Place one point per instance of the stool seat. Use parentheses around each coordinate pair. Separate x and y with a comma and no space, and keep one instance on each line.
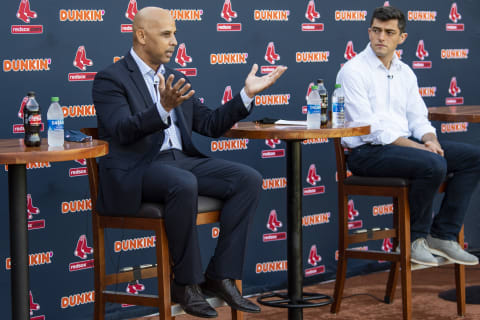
(156,210)
(377,181)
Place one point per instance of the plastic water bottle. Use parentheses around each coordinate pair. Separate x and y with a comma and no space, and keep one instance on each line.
(324,97)
(338,107)
(314,105)
(55,124)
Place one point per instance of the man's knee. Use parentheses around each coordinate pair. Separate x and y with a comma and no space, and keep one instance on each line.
(186,186)
(438,168)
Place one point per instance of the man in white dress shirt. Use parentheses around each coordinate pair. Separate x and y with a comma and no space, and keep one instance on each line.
(382,91)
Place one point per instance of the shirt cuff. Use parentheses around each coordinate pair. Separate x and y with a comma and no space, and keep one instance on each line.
(246,99)
(163,113)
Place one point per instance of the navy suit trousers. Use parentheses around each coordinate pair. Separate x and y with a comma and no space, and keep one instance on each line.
(176,180)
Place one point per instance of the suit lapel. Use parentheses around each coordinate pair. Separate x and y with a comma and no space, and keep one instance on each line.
(138,79)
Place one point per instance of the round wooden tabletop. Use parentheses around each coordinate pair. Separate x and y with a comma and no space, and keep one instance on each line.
(14,151)
(253,130)
(455,113)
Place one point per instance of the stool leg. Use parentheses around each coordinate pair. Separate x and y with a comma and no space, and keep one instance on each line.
(460,279)
(237,315)
(394,268)
(342,258)
(99,265)
(404,239)
(163,273)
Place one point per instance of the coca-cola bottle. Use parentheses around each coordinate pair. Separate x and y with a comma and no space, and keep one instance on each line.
(32,121)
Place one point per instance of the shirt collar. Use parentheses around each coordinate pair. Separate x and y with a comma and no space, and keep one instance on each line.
(145,70)
(376,62)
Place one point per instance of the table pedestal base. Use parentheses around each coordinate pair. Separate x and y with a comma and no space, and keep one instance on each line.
(285,302)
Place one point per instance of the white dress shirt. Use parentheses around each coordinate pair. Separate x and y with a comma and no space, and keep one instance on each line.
(386,99)
(173,138)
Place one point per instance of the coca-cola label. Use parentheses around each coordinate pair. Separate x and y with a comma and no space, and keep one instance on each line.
(34,120)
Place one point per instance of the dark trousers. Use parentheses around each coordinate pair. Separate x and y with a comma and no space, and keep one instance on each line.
(426,171)
(176,180)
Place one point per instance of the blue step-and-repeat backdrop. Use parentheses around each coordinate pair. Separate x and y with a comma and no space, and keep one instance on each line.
(55,48)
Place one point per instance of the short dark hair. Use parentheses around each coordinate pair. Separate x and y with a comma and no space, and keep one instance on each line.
(389,13)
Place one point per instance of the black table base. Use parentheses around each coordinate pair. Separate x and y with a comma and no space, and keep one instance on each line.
(283,301)
(472,295)
(17,194)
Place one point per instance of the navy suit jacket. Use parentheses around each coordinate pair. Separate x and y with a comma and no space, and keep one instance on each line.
(129,121)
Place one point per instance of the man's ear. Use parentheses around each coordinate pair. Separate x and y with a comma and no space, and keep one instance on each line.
(140,35)
(403,37)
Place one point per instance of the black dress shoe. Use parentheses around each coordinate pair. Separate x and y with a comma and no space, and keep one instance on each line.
(228,291)
(192,301)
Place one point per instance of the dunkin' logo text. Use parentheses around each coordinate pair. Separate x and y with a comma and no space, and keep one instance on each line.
(422,16)
(274,183)
(134,244)
(454,53)
(454,127)
(78,111)
(316,219)
(187,14)
(37,64)
(76,206)
(350,15)
(272,99)
(77,299)
(271,15)
(312,56)
(229,145)
(382,210)
(273,266)
(74,15)
(427,91)
(229,58)
(35,259)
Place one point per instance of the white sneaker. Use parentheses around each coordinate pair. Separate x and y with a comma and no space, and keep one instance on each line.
(451,250)
(421,254)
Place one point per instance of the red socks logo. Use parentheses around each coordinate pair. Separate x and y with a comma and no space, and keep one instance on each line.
(131,10)
(24,13)
(135,287)
(313,257)
(81,60)
(421,52)
(387,245)
(454,15)
(182,58)
(33,306)
(227,95)
(313,177)
(272,143)
(311,13)
(386,4)
(82,249)
(270,55)
(349,52)
(454,89)
(352,212)
(227,12)
(273,222)
(31,210)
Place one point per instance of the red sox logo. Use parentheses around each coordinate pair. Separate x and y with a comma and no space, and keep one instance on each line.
(33,306)
(131,10)
(312,176)
(311,13)
(273,222)
(227,94)
(270,56)
(227,12)
(81,61)
(82,249)
(24,13)
(182,58)
(135,287)
(313,256)
(454,89)
(349,51)
(421,52)
(272,143)
(454,15)
(352,212)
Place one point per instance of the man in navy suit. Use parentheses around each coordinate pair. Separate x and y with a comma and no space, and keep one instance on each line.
(147,113)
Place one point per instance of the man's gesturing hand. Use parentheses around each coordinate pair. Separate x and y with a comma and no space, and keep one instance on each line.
(254,84)
(173,96)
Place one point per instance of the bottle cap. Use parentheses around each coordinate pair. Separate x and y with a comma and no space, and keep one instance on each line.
(314,87)
(55,99)
(31,94)
(338,85)
(319,81)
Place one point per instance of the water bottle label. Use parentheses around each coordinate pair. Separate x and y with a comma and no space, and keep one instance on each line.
(338,107)
(314,108)
(54,125)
